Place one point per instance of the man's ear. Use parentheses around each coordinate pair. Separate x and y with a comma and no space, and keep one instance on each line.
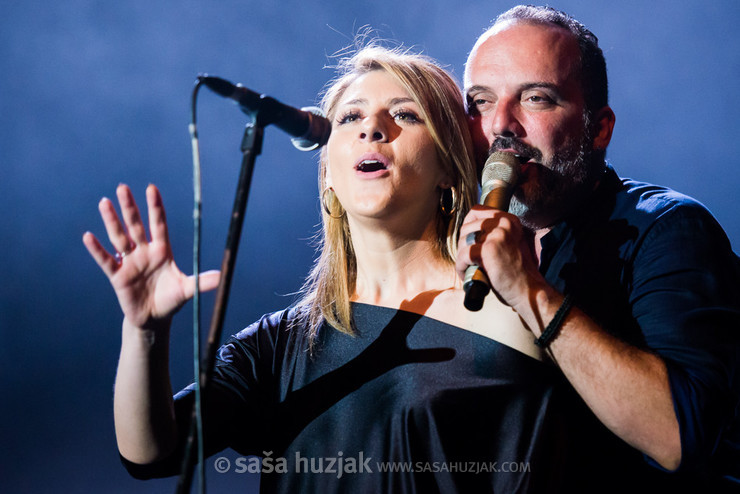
(604,123)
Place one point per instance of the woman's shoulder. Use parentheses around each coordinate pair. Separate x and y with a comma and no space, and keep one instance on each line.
(495,320)
(270,329)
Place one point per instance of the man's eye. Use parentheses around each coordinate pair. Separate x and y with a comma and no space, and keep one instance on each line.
(539,99)
(476,106)
(479,102)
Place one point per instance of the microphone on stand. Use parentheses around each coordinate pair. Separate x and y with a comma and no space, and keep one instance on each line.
(308,126)
(498,181)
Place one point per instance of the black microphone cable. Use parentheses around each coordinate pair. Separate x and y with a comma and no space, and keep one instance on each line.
(197,415)
(309,130)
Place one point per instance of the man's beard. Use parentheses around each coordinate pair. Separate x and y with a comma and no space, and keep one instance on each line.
(561,181)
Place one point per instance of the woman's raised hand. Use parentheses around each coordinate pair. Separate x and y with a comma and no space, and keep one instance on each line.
(149,285)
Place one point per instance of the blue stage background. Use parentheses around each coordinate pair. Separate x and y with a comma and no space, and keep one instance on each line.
(97,93)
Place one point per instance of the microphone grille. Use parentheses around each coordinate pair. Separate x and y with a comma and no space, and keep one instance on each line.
(318,131)
(503,166)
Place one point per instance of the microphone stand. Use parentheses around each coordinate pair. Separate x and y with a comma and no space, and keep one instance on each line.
(251,147)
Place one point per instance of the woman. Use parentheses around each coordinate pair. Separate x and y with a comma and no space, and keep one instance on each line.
(379,365)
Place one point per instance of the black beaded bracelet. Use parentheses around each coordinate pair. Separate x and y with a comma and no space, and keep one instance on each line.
(552,329)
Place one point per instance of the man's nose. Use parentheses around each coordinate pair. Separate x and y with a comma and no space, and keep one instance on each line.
(505,121)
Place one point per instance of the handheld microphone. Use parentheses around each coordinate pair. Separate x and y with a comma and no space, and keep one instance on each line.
(498,181)
(308,126)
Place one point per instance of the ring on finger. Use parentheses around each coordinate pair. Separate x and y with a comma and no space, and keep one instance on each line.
(121,254)
(472,238)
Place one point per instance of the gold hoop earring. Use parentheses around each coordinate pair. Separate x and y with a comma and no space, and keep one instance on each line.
(448,202)
(327,210)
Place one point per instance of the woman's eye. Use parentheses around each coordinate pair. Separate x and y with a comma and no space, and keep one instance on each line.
(348,117)
(406,116)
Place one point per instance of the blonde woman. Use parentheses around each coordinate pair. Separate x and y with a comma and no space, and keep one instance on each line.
(377,380)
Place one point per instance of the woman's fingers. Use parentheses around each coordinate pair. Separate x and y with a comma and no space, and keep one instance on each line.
(106,262)
(117,235)
(125,235)
(131,215)
(157,217)
(208,281)
(149,286)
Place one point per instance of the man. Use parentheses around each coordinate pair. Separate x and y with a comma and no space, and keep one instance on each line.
(651,342)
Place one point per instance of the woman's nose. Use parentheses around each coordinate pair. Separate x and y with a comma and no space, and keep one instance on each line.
(373,129)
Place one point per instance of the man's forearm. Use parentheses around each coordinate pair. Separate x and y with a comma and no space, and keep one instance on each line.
(627,388)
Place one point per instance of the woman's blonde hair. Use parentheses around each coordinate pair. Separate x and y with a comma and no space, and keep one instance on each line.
(331,283)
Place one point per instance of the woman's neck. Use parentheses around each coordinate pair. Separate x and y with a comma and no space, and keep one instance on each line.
(395,267)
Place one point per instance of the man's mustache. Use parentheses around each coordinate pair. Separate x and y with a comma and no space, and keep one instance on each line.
(502,143)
